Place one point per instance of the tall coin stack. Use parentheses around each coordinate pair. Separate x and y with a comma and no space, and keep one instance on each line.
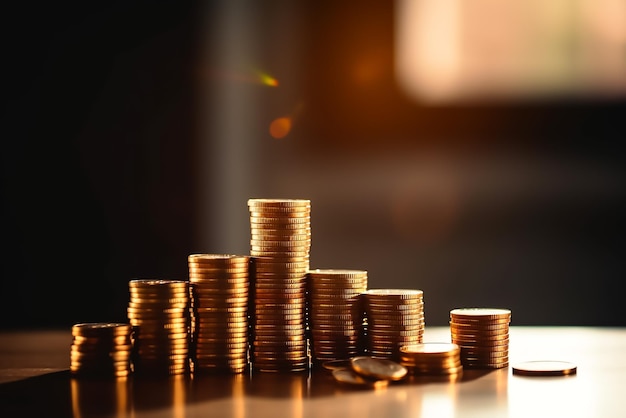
(101,349)
(159,313)
(395,318)
(335,315)
(280,244)
(483,336)
(220,295)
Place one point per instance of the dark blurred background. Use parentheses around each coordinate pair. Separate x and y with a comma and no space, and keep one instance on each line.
(133,134)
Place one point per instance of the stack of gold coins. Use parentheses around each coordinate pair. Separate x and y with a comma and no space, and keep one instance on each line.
(159,313)
(280,244)
(335,316)
(483,336)
(220,295)
(395,318)
(101,349)
(432,358)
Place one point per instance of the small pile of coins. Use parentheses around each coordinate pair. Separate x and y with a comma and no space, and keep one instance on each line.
(432,359)
(159,313)
(220,289)
(483,336)
(395,318)
(335,314)
(280,244)
(101,349)
(367,371)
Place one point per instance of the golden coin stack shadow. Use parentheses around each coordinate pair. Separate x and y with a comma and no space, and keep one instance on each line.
(483,336)
(159,314)
(335,314)
(279,246)
(101,349)
(220,296)
(395,318)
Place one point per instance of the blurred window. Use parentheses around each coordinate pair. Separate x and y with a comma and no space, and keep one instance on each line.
(454,50)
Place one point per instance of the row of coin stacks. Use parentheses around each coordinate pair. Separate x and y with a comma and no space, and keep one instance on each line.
(268,311)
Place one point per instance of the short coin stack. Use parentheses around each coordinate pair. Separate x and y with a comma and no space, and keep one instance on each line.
(220,295)
(395,318)
(280,244)
(101,349)
(159,313)
(432,359)
(483,336)
(335,314)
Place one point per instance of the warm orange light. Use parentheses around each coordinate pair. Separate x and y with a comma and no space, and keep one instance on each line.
(280,127)
(267,80)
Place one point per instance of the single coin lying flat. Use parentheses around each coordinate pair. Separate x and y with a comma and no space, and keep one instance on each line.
(544,368)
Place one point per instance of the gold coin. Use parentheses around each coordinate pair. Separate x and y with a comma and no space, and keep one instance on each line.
(389,294)
(477,330)
(431,349)
(337,274)
(272,264)
(102,348)
(278,202)
(136,302)
(287,257)
(137,318)
(284,241)
(282,215)
(545,368)
(280,229)
(265,235)
(378,368)
(157,283)
(100,329)
(110,339)
(211,268)
(221,259)
(220,310)
(293,280)
(279,206)
(480,313)
(206,302)
(226,277)
(166,331)
(279,219)
(158,296)
(350,377)
(240,291)
(293,251)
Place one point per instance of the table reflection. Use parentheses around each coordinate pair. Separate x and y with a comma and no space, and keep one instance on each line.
(419,395)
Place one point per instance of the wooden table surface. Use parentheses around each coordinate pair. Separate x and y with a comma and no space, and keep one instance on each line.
(34,381)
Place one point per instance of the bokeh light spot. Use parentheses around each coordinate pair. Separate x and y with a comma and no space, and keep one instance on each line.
(267,80)
(280,127)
